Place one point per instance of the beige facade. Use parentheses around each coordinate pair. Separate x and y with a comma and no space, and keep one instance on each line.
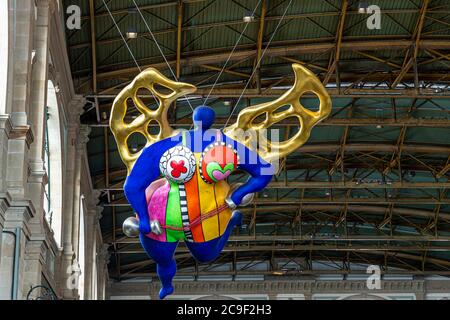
(36,250)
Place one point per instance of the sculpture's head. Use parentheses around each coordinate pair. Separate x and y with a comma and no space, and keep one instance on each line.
(203,117)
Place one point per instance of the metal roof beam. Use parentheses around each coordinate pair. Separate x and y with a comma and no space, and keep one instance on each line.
(299,247)
(329,200)
(179,37)
(337,50)
(228,23)
(415,50)
(282,51)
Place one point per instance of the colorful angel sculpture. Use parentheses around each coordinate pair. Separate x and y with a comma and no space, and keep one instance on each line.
(177,184)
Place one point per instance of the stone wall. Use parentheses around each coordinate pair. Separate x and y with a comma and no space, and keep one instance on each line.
(37,56)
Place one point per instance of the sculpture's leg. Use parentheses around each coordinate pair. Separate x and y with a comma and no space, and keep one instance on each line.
(207,251)
(162,253)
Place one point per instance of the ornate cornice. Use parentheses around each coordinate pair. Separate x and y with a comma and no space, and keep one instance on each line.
(53,5)
(98,213)
(83,137)
(5,200)
(438,286)
(75,109)
(22,133)
(18,214)
(36,249)
(104,255)
(5,124)
(22,208)
(310,286)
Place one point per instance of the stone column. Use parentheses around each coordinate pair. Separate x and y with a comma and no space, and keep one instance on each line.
(39,77)
(14,268)
(38,100)
(67,268)
(93,215)
(5,129)
(3,207)
(5,252)
(24,20)
(15,139)
(35,250)
(83,138)
(34,260)
(7,265)
(103,260)
(20,135)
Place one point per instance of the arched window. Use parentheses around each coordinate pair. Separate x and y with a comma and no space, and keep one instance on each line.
(53,164)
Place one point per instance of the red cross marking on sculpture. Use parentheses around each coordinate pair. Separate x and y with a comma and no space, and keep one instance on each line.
(178,168)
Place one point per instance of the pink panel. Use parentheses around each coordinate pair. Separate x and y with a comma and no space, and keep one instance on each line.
(153,187)
(157,209)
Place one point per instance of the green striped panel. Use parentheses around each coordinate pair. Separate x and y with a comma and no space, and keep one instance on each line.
(173,214)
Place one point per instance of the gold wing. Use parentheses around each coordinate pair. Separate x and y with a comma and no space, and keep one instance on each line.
(305,81)
(122,130)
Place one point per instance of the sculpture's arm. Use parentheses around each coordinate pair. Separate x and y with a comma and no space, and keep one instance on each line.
(260,171)
(144,172)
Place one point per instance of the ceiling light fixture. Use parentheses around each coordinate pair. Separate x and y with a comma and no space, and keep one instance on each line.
(132,33)
(132,22)
(362,6)
(248,16)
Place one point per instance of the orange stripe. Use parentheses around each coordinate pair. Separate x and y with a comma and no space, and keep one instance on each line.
(193,199)
(207,203)
(221,189)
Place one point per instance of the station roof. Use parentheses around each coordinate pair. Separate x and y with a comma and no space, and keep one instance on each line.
(371,184)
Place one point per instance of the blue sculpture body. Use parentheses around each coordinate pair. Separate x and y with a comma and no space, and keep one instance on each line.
(191,202)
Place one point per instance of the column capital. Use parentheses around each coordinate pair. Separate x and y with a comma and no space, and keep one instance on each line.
(92,199)
(53,5)
(92,208)
(43,3)
(83,137)
(75,109)
(104,255)
(97,213)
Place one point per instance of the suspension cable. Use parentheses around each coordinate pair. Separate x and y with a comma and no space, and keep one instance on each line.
(126,43)
(259,61)
(231,54)
(159,48)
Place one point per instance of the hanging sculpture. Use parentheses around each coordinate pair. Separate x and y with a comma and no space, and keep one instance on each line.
(177,184)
